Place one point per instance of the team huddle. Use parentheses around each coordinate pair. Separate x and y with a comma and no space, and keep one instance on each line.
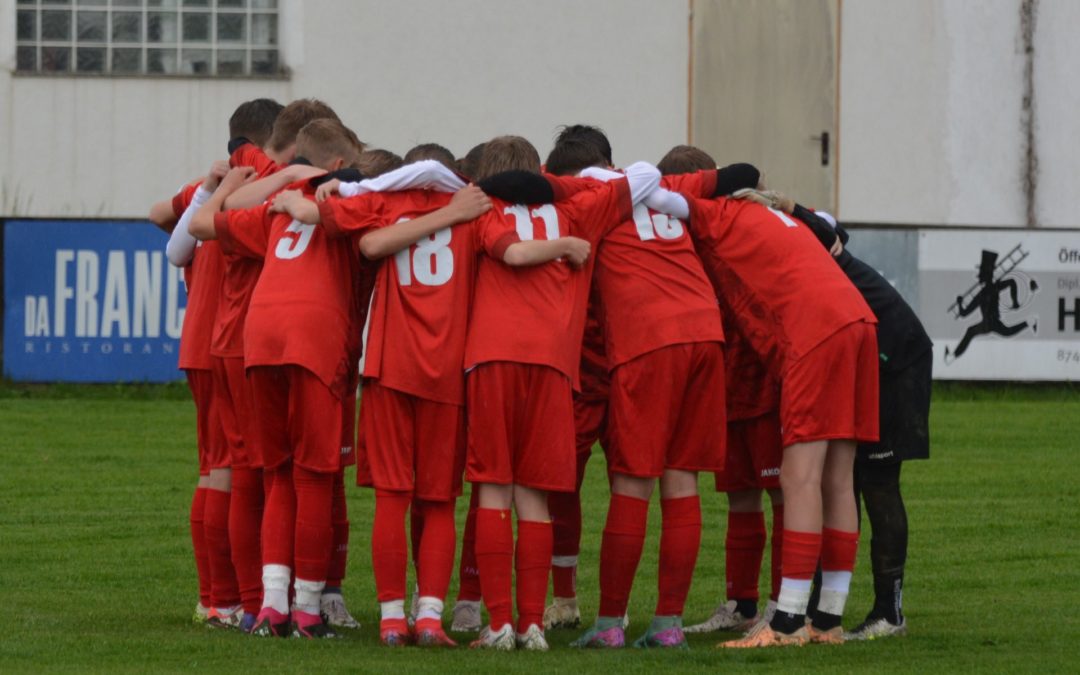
(516,314)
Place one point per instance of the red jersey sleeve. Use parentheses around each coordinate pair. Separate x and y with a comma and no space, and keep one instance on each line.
(566,187)
(594,212)
(495,233)
(701,184)
(244,232)
(354,216)
(252,155)
(183,198)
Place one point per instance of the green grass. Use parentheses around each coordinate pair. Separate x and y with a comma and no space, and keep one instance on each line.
(96,570)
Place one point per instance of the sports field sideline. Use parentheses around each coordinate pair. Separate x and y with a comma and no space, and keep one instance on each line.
(96,569)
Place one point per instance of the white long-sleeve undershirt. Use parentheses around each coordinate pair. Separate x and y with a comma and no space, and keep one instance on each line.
(427,174)
(181,246)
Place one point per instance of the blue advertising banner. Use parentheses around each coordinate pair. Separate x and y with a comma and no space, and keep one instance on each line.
(90,301)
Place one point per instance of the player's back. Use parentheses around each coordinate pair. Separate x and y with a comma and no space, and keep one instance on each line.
(781,287)
(537,314)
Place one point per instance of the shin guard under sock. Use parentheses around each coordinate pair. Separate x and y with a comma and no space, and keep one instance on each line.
(435,559)
(245,522)
(389,545)
(620,552)
(745,548)
(224,591)
(314,533)
(531,563)
(468,572)
(494,558)
(565,509)
(680,540)
(339,546)
(800,558)
(198,544)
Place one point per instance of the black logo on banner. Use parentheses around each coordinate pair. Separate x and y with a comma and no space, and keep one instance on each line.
(996,278)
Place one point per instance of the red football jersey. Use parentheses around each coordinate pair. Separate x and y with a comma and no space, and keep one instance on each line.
(537,314)
(783,290)
(202,276)
(303,309)
(420,308)
(653,289)
(241,272)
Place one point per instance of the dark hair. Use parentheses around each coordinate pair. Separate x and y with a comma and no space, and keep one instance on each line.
(588,134)
(254,120)
(685,159)
(321,141)
(468,164)
(431,151)
(376,162)
(293,118)
(507,153)
(572,155)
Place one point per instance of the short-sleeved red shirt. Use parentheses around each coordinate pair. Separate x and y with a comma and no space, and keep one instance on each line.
(241,272)
(782,289)
(420,307)
(303,309)
(537,314)
(654,292)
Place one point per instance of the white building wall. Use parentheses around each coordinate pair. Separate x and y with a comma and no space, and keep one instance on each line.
(1057,113)
(930,112)
(397,72)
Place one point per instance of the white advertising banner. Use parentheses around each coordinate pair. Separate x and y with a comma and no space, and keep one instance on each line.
(1001,304)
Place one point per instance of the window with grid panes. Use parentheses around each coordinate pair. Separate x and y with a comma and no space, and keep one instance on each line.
(148,37)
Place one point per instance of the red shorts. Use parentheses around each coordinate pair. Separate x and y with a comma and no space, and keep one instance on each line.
(348,428)
(590,424)
(521,426)
(832,391)
(410,444)
(213,447)
(297,416)
(754,453)
(668,411)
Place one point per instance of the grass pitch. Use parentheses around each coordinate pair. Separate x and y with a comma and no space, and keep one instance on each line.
(97,574)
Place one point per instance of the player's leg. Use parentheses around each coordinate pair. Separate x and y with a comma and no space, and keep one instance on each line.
(315,414)
(466,612)
(840,540)
(199,383)
(776,554)
(532,563)
(878,484)
(225,610)
(270,398)
(332,604)
(620,554)
(440,462)
(494,561)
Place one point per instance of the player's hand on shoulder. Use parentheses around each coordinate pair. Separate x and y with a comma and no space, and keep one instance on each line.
(330,187)
(236,177)
(285,202)
(470,202)
(577,251)
(218,170)
(837,248)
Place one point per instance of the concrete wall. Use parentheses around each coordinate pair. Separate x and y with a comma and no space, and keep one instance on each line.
(398,72)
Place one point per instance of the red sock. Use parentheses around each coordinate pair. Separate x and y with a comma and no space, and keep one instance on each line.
(532,563)
(245,521)
(198,544)
(389,548)
(838,549)
(224,591)
(777,556)
(620,551)
(436,556)
(279,516)
(468,572)
(745,546)
(339,545)
(801,553)
(565,508)
(494,559)
(680,539)
(314,533)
